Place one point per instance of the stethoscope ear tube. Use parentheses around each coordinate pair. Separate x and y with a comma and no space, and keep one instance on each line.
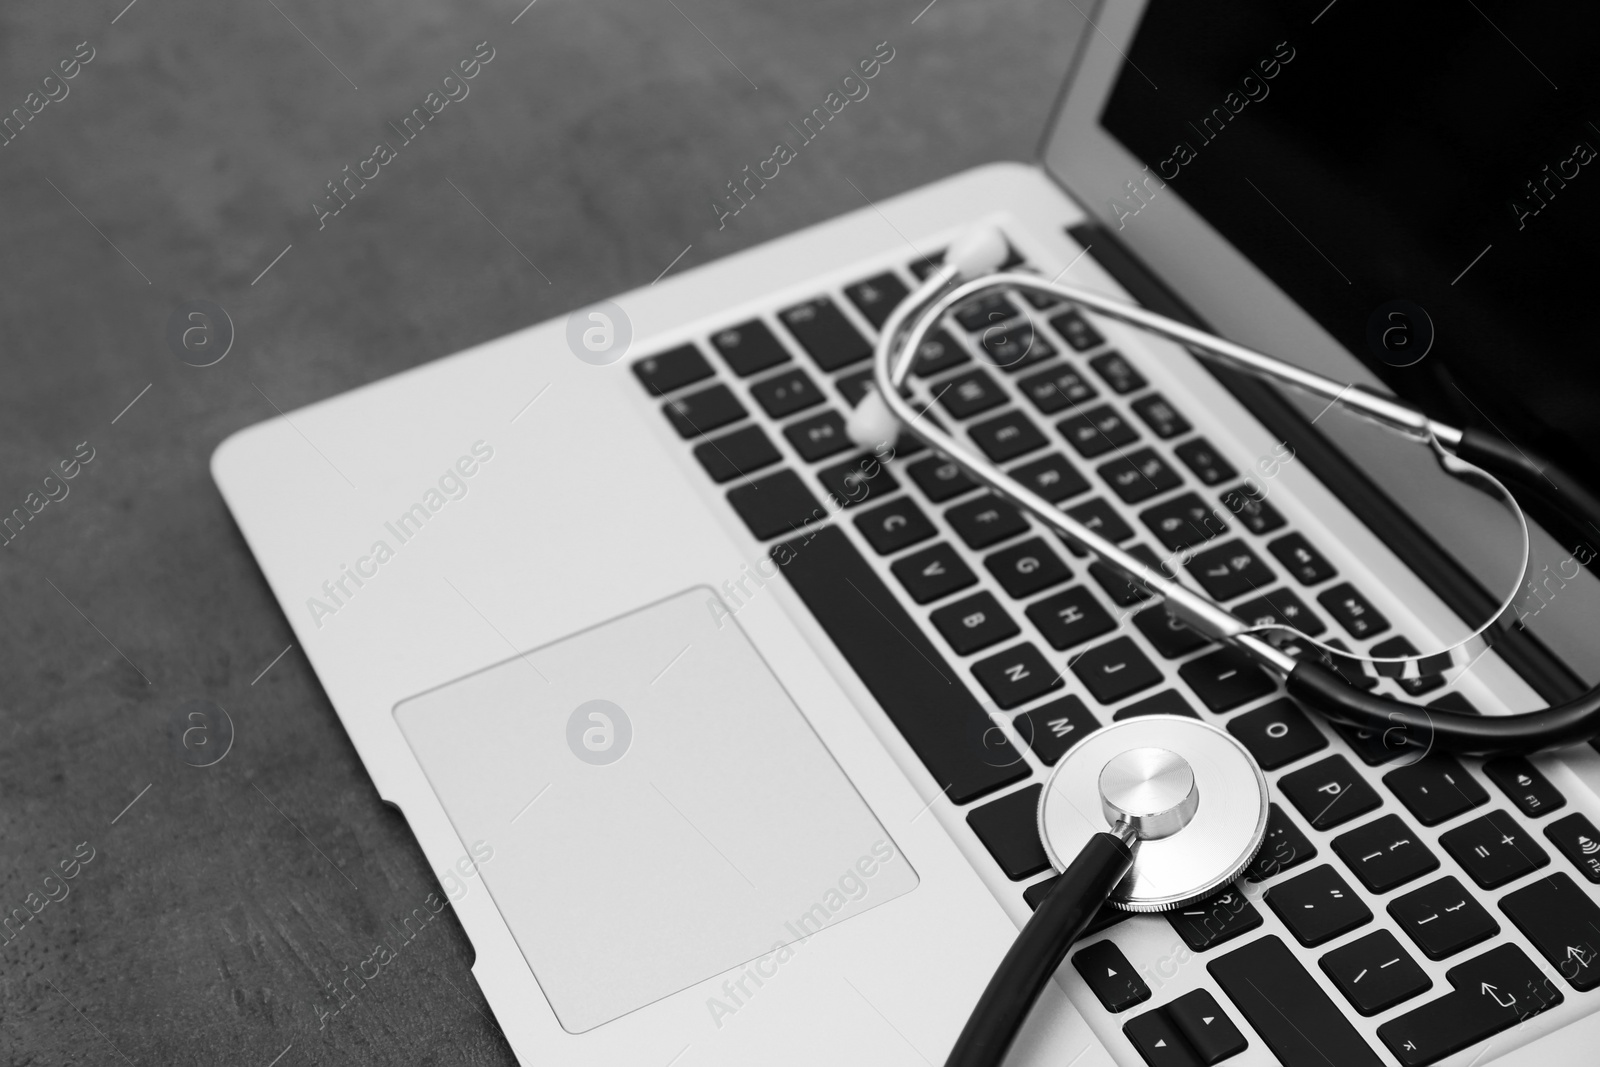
(1066,909)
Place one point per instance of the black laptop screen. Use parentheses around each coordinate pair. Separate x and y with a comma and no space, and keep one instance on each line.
(1375,158)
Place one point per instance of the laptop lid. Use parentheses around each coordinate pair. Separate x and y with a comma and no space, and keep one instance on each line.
(1390,194)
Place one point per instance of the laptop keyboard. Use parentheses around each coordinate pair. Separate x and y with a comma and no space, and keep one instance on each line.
(959,614)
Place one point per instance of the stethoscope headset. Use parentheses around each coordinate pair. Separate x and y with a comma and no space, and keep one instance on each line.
(1155,813)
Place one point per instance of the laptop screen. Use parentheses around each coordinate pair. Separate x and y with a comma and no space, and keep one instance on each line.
(1422,180)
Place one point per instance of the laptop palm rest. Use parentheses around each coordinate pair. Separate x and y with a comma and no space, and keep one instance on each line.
(658,808)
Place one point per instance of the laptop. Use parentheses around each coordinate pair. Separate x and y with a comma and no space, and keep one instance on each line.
(726,742)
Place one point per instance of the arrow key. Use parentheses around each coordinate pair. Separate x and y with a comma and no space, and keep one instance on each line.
(1158,1042)
(1211,1033)
(1111,976)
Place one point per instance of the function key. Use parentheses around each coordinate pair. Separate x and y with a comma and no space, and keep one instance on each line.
(1052,477)
(938,352)
(1563,923)
(927,265)
(1114,670)
(1398,646)
(1053,728)
(1226,678)
(1117,372)
(855,387)
(1015,677)
(1183,522)
(986,311)
(1007,436)
(1252,509)
(1283,847)
(1452,701)
(1296,1020)
(1097,431)
(1107,971)
(1162,418)
(1070,618)
(858,480)
(826,334)
(1442,918)
(1054,390)
(985,521)
(1230,570)
(1139,476)
(1579,841)
(819,436)
(784,394)
(1203,460)
(672,370)
(1494,850)
(1352,673)
(1277,734)
(1008,828)
(1170,637)
(700,413)
(967,394)
(1375,973)
(940,479)
(1353,611)
(1013,347)
(1301,560)
(973,623)
(1076,331)
(1280,608)
(749,348)
(876,297)
(896,525)
(738,453)
(1208,923)
(1329,792)
(1384,854)
(1435,789)
(1318,906)
(1100,517)
(1209,1030)
(1026,568)
(932,573)
(1157,1040)
(776,503)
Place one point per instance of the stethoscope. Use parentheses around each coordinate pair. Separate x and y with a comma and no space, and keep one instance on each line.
(1159,812)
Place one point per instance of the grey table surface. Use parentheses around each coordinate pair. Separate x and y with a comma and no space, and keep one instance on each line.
(181,163)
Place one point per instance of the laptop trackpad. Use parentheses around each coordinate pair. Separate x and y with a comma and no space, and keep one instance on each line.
(659,810)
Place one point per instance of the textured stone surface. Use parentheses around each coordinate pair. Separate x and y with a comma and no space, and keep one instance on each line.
(207,925)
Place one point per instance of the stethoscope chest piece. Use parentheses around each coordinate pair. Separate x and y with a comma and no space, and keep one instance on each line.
(1191,793)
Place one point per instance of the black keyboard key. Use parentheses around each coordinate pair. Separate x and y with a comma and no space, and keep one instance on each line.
(1139,476)
(855,387)
(1007,436)
(1492,993)
(896,525)
(937,353)
(941,720)
(1114,670)
(1183,522)
(1283,848)
(1122,588)
(1076,331)
(985,311)
(1494,850)
(1435,789)
(749,348)
(1009,829)
(1277,734)
(985,521)
(1015,346)
(1375,746)
(876,297)
(819,437)
(1226,678)
(940,479)
(1056,390)
(826,334)
(705,411)
(1578,840)
(1102,518)
(974,623)
(1117,372)
(1398,646)
(1070,617)
(1442,918)
(738,453)
(1329,792)
(1524,785)
(1375,973)
(1252,510)
(1203,460)
(1297,1021)
(1104,919)
(970,393)
(1385,854)
(1318,906)
(1166,702)
(1016,676)
(1026,568)
(1162,418)
(1219,918)
(1230,570)
(785,394)
(776,503)
(1157,1040)
(1308,566)
(1051,729)
(1109,974)
(672,370)
(1451,701)
(1563,923)
(932,573)
(1052,477)
(1280,607)
(926,265)
(857,481)
(1353,611)
(1211,1034)
(1170,637)
(1097,431)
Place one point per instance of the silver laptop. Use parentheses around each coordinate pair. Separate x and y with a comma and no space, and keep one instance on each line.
(725,744)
